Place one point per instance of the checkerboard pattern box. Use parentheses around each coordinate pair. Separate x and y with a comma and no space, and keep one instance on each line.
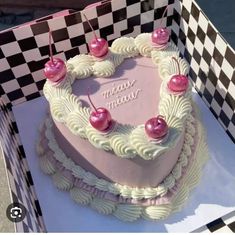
(19,176)
(24,51)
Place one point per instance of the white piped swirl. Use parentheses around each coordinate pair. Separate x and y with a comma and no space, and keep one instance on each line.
(128,142)
(129,212)
(125,46)
(80,66)
(123,190)
(104,68)
(158,55)
(76,118)
(169,67)
(80,196)
(61,182)
(144,45)
(103,206)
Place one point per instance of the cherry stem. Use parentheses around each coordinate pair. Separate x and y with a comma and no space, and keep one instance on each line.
(177,64)
(50,47)
(164,14)
(90,25)
(88,94)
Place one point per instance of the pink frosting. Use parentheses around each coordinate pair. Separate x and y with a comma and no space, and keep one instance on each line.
(134,112)
(109,196)
(135,172)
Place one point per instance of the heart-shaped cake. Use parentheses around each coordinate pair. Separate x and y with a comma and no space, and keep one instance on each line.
(132,146)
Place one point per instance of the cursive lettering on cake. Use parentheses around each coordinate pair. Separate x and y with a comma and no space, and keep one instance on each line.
(123,99)
(117,89)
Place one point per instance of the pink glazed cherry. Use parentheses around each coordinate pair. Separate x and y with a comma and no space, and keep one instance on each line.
(100,118)
(55,69)
(98,46)
(160,36)
(156,127)
(178,82)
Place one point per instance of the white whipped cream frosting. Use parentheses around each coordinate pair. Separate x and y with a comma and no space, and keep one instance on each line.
(130,212)
(125,141)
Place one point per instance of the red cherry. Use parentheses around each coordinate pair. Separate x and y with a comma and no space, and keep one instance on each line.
(55,69)
(156,127)
(160,36)
(179,82)
(98,46)
(101,118)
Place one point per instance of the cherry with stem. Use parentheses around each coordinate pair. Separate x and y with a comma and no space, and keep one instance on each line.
(55,69)
(178,82)
(156,127)
(160,36)
(50,46)
(89,98)
(164,12)
(90,26)
(100,118)
(98,46)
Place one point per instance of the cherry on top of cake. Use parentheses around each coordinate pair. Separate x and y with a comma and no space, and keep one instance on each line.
(128,95)
(178,82)
(55,69)
(160,36)
(138,111)
(100,118)
(98,46)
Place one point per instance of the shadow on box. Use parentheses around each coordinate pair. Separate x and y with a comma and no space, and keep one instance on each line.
(24,51)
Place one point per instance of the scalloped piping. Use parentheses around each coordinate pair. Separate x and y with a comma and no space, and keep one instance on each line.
(123,190)
(127,212)
(63,106)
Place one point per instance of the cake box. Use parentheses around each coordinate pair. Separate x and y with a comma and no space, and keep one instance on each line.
(24,51)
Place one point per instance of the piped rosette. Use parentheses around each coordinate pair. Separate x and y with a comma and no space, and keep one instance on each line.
(55,69)
(157,129)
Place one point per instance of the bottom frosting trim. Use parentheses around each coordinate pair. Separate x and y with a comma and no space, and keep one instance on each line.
(126,211)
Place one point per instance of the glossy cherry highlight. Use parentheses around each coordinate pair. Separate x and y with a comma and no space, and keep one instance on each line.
(178,82)
(156,127)
(98,46)
(55,69)
(100,118)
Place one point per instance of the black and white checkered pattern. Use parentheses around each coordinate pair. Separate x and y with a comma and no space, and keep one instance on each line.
(24,51)
(211,59)
(225,224)
(20,180)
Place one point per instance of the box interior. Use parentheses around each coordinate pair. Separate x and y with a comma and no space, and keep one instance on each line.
(24,51)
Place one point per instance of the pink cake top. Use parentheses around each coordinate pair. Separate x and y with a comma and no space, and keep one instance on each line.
(128,94)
